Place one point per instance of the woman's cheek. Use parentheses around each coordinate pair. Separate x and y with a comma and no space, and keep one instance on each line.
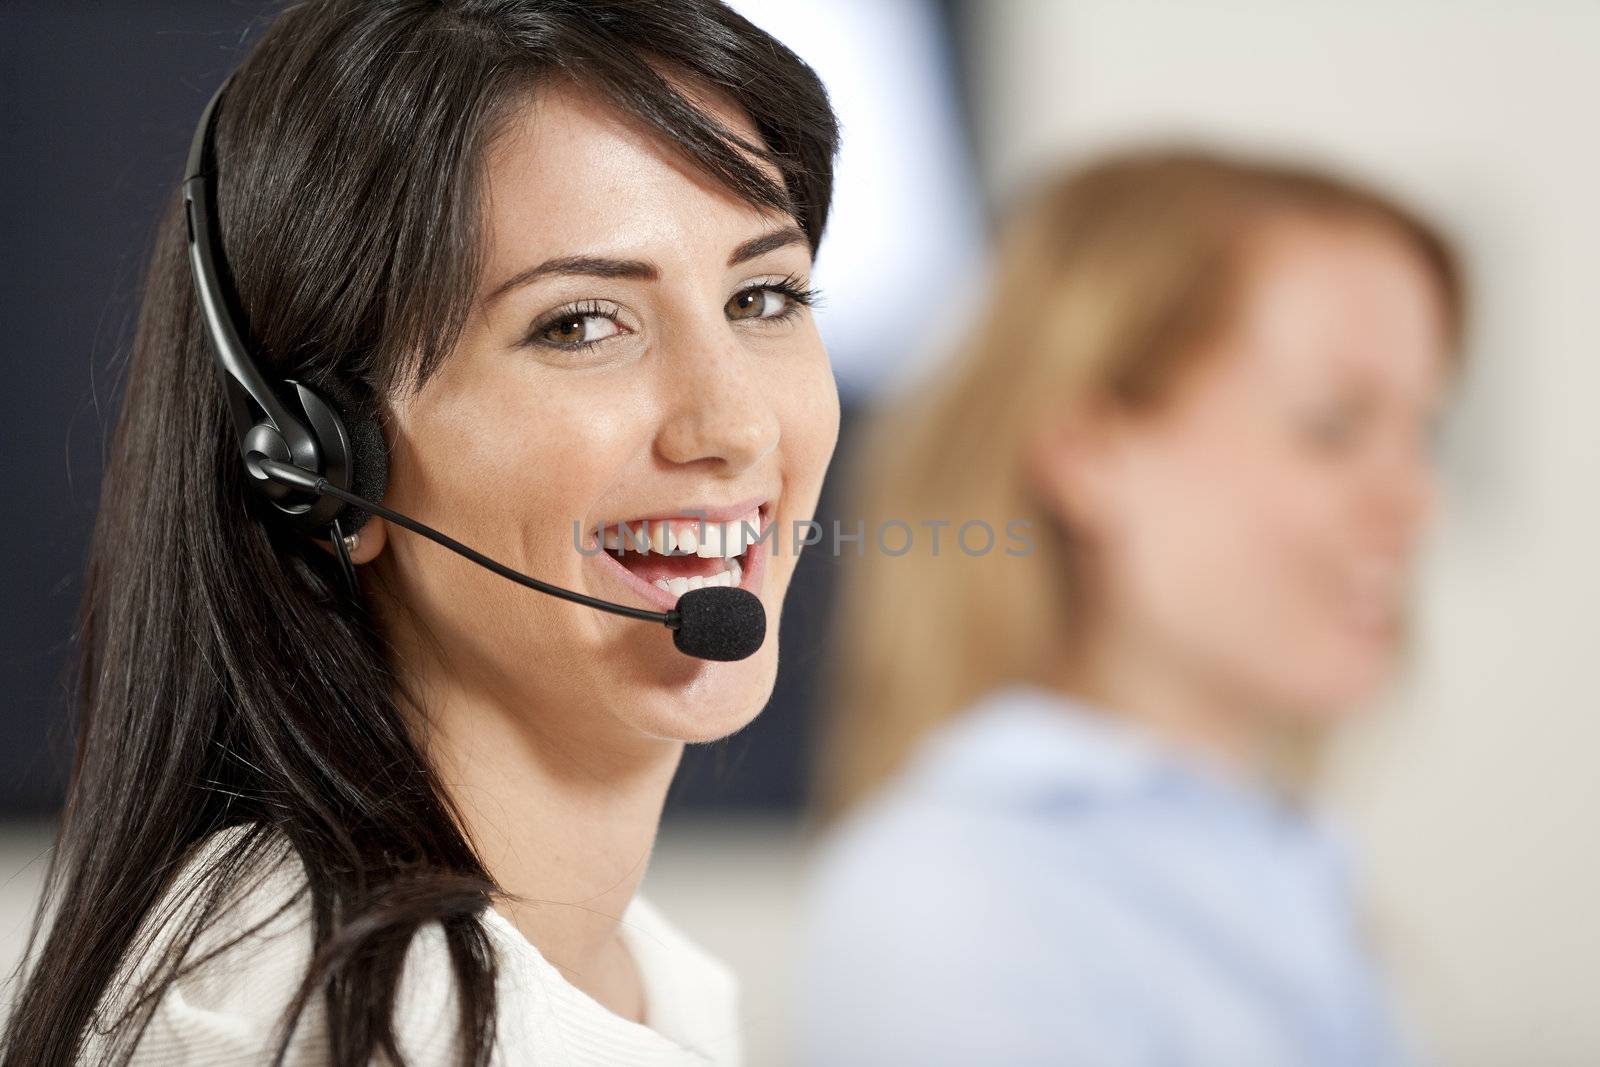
(1319,657)
(814,422)
(1225,540)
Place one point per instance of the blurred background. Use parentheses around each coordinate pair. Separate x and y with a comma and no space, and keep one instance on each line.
(1472,792)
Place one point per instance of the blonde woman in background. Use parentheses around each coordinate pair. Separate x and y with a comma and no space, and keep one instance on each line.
(1207,386)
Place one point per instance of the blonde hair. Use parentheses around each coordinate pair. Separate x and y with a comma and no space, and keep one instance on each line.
(1107,281)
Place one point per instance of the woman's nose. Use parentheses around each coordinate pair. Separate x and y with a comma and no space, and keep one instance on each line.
(717,412)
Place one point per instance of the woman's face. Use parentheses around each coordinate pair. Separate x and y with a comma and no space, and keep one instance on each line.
(635,355)
(1260,528)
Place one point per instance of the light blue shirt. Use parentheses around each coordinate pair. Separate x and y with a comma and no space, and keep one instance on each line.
(1046,885)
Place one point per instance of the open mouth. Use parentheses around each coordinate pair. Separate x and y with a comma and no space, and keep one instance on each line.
(664,558)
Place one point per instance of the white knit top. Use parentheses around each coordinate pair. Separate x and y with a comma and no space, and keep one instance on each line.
(226,1010)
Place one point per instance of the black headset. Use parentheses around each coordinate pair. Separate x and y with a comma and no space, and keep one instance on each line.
(323,467)
(290,423)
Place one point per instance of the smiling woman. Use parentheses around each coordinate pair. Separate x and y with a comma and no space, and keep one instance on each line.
(560,254)
(1216,415)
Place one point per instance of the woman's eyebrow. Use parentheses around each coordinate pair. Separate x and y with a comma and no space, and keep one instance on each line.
(767,242)
(638,269)
(588,266)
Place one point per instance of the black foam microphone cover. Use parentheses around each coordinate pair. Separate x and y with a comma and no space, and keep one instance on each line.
(719,622)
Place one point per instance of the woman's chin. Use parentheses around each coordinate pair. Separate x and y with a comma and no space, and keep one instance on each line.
(709,700)
(1333,692)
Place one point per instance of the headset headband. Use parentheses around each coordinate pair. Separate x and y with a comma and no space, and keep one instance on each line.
(296,425)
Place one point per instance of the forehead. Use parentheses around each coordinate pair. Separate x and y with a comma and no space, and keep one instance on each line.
(1323,298)
(568,171)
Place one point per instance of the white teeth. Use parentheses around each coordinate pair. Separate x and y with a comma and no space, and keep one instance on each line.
(729,539)
(745,532)
(679,586)
(622,537)
(712,537)
(707,540)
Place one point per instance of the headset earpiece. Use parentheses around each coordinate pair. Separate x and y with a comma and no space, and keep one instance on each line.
(365,452)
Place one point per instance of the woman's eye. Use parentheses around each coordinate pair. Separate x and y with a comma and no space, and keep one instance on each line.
(757,302)
(577,329)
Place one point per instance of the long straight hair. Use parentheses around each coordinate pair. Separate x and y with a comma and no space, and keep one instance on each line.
(1121,269)
(225,681)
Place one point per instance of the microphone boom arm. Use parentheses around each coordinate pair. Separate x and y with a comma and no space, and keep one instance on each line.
(289,474)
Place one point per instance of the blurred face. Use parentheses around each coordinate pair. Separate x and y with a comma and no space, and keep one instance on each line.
(1258,530)
(641,352)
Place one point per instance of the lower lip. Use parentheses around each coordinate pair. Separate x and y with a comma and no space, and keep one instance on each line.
(754,562)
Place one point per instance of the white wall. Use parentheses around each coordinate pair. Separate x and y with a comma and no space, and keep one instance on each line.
(1477,797)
